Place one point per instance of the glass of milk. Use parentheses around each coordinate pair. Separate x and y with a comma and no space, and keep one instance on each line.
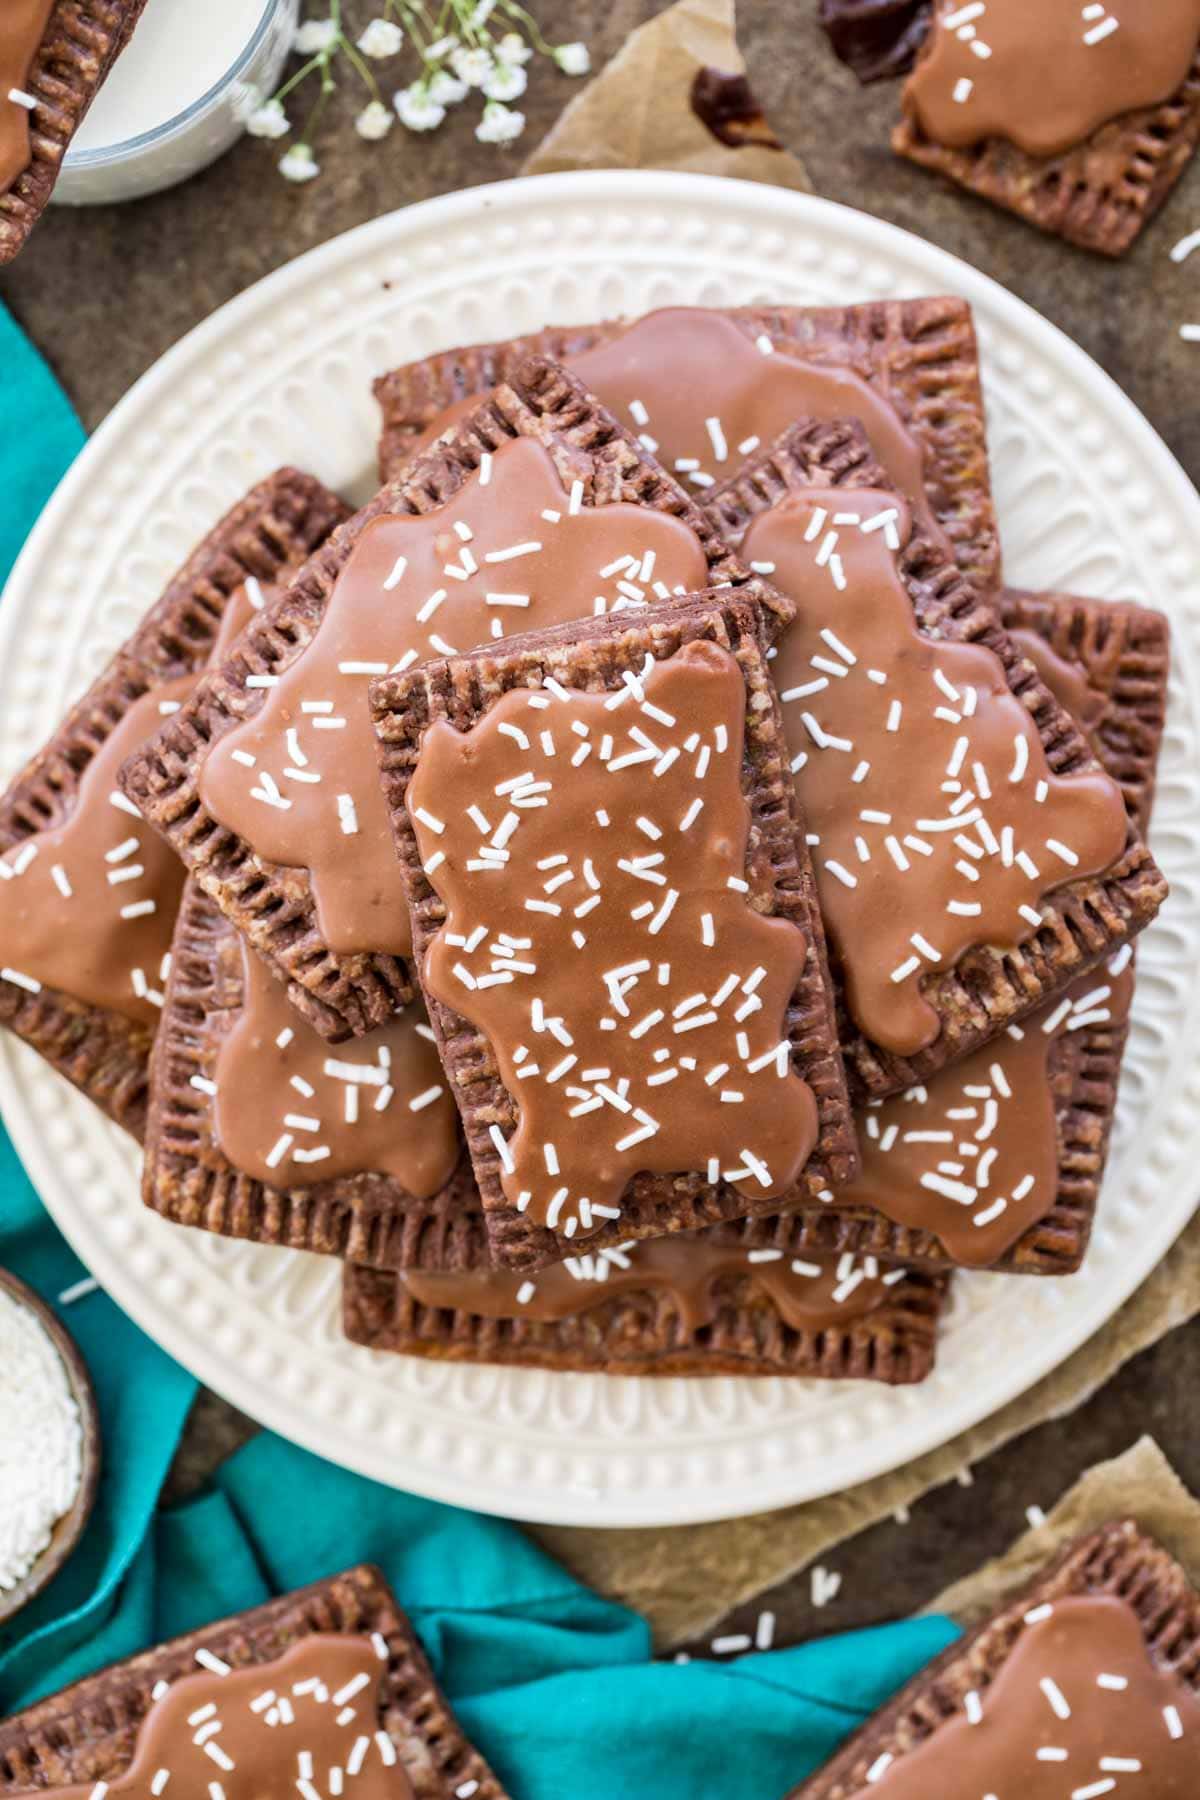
(177,97)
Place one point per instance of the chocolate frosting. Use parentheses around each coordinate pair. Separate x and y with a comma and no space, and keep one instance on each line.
(973,1156)
(1047,76)
(292,1110)
(22,27)
(809,1294)
(511,552)
(591,852)
(934,820)
(1077,1712)
(727,106)
(1067,681)
(88,908)
(876,38)
(703,397)
(268,1731)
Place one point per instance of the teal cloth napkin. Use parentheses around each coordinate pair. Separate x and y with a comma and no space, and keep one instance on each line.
(555,1685)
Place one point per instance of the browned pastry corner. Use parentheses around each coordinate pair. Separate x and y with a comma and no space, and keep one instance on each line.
(222,1023)
(1114,1622)
(102,1042)
(89,1732)
(62,69)
(1098,193)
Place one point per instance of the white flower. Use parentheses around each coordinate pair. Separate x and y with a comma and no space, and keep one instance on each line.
(506,84)
(499,124)
(482,13)
(374,121)
(299,164)
(512,49)
(446,89)
(315,36)
(268,121)
(573,59)
(417,109)
(382,37)
(471,66)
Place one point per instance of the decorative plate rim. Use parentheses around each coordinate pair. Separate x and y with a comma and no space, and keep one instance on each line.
(713,1477)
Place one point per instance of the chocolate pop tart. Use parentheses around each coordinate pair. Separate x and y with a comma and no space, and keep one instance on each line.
(260,1129)
(1078,118)
(1087,1685)
(330,1679)
(699,1303)
(54,55)
(704,388)
(538,508)
(971,855)
(616,926)
(88,895)
(997,1161)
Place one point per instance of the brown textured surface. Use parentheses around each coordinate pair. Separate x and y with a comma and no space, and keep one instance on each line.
(645,1334)
(187,1179)
(920,354)
(88,1731)
(82,40)
(277,524)
(591,656)
(987,989)
(1099,194)
(1118,1560)
(345,995)
(1124,652)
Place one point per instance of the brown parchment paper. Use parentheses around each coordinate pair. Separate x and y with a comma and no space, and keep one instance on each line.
(1139,1485)
(637,113)
(685,1579)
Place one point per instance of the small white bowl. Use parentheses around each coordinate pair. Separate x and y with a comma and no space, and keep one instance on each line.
(187,143)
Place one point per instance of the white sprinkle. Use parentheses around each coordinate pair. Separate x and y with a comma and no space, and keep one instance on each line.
(1056,1698)
(207,1660)
(1173,1720)
(880,1767)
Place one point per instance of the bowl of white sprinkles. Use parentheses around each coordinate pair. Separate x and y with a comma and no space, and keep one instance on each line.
(49,1445)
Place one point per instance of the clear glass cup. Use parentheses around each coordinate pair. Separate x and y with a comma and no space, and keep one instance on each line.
(195,137)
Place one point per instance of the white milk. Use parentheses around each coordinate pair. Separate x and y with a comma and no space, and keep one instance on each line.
(172,102)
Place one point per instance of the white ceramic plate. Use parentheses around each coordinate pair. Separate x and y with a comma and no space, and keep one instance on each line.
(1089,499)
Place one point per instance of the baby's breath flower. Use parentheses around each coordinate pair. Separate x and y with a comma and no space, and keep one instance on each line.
(573,59)
(446,88)
(268,120)
(499,124)
(374,121)
(512,49)
(382,37)
(506,84)
(299,164)
(471,66)
(315,36)
(417,109)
